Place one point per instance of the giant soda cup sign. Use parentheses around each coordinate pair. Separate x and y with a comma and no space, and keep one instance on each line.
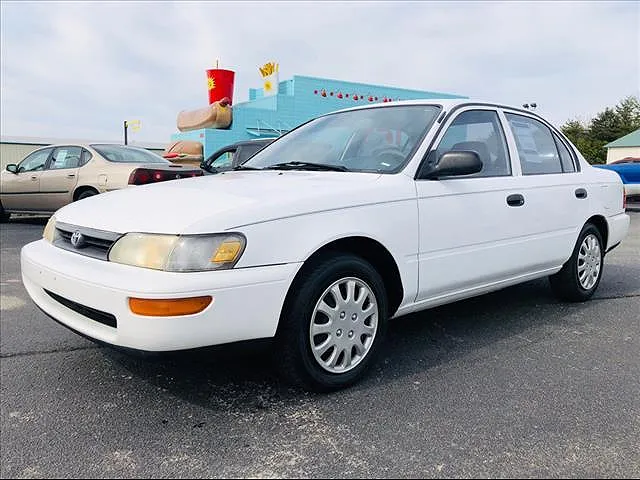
(220,84)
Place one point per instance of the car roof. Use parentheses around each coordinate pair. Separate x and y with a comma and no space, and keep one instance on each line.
(447,104)
(87,145)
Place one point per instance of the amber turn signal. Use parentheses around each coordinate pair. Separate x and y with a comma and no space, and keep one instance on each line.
(153,307)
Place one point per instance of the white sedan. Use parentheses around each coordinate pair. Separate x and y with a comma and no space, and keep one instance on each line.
(352,219)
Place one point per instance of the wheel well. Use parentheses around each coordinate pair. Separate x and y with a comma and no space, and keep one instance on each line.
(79,190)
(601,224)
(374,253)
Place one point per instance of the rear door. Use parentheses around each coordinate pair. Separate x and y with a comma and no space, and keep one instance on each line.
(21,190)
(60,177)
(556,198)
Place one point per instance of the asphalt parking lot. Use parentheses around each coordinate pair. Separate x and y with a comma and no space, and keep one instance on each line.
(511,384)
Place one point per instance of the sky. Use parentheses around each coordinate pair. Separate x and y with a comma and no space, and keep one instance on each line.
(77,70)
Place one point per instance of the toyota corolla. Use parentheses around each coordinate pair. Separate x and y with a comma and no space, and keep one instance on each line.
(321,238)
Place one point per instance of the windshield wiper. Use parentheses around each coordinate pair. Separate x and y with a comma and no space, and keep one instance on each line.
(306,166)
(244,167)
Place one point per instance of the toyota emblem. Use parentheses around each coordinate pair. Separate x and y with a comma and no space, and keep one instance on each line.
(77,239)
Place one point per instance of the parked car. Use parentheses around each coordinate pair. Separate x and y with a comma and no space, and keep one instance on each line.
(233,155)
(53,176)
(321,238)
(629,171)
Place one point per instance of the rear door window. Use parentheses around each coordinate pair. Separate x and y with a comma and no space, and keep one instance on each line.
(65,157)
(536,148)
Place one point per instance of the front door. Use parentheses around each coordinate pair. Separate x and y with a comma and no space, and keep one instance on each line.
(468,230)
(60,177)
(21,190)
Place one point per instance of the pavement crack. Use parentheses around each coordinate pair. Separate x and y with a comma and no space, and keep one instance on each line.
(44,352)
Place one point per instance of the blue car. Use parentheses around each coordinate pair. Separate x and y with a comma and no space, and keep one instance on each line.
(629,171)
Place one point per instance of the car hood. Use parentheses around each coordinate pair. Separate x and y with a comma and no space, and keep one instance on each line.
(220,202)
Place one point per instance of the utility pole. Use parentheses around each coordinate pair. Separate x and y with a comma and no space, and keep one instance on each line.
(125,132)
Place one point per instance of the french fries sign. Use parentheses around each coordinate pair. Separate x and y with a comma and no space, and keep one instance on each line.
(268,69)
(269,72)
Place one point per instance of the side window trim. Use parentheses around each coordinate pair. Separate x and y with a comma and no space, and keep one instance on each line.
(435,143)
(514,158)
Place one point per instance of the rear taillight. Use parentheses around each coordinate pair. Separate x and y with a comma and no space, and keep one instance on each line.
(142,176)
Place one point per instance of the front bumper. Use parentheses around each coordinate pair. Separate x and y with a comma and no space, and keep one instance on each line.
(83,293)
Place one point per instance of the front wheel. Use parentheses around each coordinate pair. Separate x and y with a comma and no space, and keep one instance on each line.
(580,276)
(4,216)
(333,323)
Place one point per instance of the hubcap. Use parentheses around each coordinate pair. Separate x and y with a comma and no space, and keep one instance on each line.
(589,262)
(343,325)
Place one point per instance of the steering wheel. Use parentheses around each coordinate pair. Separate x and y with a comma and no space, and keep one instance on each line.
(389,153)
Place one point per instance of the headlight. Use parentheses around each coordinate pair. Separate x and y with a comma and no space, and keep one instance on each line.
(49,233)
(178,253)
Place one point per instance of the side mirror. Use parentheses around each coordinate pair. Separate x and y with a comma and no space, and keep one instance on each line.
(12,167)
(455,163)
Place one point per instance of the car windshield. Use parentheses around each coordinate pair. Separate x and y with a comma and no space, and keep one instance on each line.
(368,140)
(127,154)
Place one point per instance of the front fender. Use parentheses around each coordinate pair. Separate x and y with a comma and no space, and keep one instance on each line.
(294,239)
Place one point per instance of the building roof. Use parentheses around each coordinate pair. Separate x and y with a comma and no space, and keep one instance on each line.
(630,140)
(57,141)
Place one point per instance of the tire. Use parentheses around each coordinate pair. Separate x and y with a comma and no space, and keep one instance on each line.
(587,261)
(4,216)
(355,332)
(86,193)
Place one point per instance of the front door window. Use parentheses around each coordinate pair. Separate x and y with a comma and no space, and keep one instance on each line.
(34,162)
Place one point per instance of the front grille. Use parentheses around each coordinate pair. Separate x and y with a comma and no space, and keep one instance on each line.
(94,243)
(96,315)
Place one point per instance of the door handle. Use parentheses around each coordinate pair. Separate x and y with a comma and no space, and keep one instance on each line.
(34,177)
(581,193)
(515,200)
(71,175)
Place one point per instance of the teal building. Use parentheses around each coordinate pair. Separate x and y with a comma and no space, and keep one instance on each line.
(298,100)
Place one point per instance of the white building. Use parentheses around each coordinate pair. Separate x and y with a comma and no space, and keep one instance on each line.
(627,146)
(14,149)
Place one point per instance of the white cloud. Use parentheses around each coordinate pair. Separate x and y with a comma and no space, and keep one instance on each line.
(79,69)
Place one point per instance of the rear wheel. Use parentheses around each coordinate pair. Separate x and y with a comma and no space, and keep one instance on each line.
(333,324)
(86,193)
(580,276)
